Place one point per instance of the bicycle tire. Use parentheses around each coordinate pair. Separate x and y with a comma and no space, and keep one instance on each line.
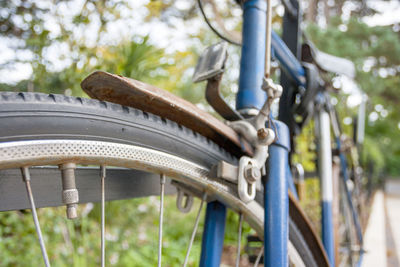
(37,117)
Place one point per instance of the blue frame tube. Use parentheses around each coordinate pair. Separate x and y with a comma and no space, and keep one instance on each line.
(276,227)
(213,235)
(289,63)
(252,62)
(325,172)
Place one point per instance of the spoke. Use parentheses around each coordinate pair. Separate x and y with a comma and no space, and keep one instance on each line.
(259,257)
(27,179)
(196,224)
(160,223)
(103,216)
(239,239)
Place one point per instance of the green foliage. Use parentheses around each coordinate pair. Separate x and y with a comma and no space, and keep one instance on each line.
(311,203)
(131,235)
(305,153)
(132,225)
(376,53)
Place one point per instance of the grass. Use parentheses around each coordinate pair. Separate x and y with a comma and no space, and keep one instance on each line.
(131,235)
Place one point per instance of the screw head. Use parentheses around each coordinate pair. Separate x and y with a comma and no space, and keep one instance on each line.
(262,133)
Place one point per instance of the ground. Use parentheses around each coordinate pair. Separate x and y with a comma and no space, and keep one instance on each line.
(382,236)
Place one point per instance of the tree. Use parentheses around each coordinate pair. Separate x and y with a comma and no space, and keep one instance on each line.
(376,53)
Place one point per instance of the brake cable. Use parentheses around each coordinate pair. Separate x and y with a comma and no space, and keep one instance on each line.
(215,30)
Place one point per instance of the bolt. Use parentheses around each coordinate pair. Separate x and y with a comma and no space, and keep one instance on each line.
(252,174)
(265,136)
(262,133)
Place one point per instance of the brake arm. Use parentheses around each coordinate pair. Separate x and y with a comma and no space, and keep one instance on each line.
(214,98)
(254,131)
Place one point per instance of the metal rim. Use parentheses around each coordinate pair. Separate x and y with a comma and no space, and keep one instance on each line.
(54,152)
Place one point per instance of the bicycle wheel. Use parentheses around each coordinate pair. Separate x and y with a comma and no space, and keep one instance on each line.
(54,130)
(349,245)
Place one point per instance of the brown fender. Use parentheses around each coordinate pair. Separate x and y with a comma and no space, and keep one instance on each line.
(310,236)
(132,93)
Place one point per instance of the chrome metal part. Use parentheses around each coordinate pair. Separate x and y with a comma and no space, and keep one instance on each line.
(268,40)
(257,262)
(210,67)
(184,201)
(274,91)
(246,128)
(196,224)
(55,152)
(252,174)
(248,112)
(255,132)
(70,195)
(160,222)
(103,216)
(226,171)
(27,179)
(246,190)
(215,99)
(298,172)
(295,257)
(298,177)
(240,229)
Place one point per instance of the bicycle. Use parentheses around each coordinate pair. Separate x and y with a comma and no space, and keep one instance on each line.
(135,129)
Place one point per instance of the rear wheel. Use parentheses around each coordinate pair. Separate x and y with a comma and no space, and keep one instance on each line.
(133,149)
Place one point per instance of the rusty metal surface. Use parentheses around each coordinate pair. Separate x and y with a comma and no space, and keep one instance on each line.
(308,232)
(132,93)
(215,99)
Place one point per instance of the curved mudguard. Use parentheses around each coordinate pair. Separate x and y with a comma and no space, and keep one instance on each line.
(128,92)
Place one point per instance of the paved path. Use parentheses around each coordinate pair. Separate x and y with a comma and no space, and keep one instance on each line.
(382,236)
(375,236)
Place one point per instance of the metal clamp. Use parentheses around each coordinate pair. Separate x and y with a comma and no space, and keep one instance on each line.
(253,130)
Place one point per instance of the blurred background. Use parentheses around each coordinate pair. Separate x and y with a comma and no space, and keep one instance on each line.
(50,46)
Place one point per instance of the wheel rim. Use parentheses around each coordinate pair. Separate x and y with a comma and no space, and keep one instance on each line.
(54,152)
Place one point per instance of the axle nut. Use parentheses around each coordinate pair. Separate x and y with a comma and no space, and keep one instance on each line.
(262,133)
(252,174)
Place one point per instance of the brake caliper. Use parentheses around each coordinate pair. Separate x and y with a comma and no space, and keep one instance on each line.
(254,130)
